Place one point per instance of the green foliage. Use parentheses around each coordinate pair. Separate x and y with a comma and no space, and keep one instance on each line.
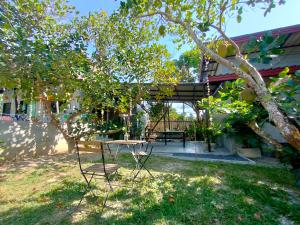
(39,53)
(267,47)
(286,90)
(44,44)
(197,130)
(156,111)
(188,64)
(235,110)
(230,102)
(137,125)
(290,156)
(201,16)
(244,136)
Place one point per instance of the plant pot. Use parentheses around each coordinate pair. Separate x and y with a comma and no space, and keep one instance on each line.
(252,153)
(126,137)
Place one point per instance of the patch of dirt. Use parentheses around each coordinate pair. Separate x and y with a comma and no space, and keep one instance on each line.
(57,160)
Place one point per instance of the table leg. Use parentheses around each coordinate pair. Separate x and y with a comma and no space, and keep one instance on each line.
(165,138)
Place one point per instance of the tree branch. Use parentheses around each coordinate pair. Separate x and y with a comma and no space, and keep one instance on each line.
(202,46)
(236,47)
(254,126)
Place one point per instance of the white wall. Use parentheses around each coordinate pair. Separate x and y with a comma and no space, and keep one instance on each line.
(27,139)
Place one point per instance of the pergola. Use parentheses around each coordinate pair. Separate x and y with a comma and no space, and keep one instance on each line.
(182,93)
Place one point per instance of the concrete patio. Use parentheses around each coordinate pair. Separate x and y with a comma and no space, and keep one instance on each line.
(193,150)
(198,147)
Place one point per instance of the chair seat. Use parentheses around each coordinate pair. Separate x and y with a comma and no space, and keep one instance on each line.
(140,153)
(98,168)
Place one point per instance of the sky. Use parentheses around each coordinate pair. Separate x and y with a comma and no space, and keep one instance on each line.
(252,21)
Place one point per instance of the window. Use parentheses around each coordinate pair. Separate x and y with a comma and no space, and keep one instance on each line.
(6,109)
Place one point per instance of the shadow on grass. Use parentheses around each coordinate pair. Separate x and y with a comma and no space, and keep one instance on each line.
(193,195)
(168,199)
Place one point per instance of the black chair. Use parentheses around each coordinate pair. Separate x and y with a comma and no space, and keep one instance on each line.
(104,170)
(141,156)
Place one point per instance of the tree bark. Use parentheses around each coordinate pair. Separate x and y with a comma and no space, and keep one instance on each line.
(254,126)
(288,130)
(54,121)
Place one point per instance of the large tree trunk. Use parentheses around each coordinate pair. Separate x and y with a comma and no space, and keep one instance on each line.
(288,130)
(254,126)
(54,121)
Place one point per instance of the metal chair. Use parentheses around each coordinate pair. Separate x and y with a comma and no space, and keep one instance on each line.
(141,156)
(107,171)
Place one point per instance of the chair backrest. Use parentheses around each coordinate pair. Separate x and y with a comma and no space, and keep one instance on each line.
(89,146)
(151,138)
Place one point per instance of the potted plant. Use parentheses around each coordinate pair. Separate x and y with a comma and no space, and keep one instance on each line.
(126,134)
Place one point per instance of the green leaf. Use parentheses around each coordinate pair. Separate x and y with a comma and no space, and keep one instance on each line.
(284,72)
(162,30)
(204,27)
(239,18)
(240,11)
(291,83)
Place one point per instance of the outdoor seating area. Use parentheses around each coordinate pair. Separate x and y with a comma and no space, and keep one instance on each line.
(149,112)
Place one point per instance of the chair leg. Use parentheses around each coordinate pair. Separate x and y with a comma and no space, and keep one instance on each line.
(139,166)
(142,166)
(85,192)
(88,188)
(105,200)
(108,181)
(149,172)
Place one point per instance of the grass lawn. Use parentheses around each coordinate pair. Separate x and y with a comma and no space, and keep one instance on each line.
(46,191)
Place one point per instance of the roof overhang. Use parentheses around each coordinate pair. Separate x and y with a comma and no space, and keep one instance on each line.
(185,92)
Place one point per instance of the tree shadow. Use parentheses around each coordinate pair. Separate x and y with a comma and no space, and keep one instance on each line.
(200,197)
(25,139)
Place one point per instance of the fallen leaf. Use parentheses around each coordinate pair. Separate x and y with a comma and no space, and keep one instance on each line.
(219,206)
(44,199)
(171,199)
(257,215)
(58,205)
(216,222)
(240,218)
(220,173)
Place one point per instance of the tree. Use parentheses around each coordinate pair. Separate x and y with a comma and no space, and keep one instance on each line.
(188,64)
(42,53)
(44,56)
(192,20)
(124,51)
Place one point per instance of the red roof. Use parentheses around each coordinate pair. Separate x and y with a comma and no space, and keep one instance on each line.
(264,73)
(275,32)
